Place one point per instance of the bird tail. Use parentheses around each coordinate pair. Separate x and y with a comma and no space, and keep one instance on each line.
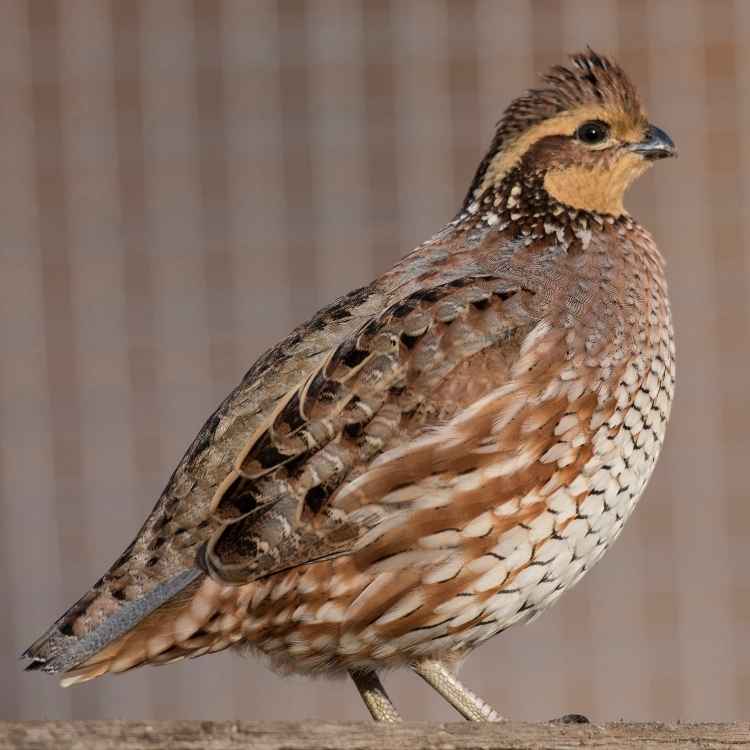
(112,646)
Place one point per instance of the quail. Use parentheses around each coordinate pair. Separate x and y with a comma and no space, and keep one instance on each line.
(434,457)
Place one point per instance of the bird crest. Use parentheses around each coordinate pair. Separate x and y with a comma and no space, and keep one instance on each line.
(592,80)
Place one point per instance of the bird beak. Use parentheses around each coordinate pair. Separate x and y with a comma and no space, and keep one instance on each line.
(656,145)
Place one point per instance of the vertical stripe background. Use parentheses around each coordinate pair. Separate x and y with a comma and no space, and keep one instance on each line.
(183,181)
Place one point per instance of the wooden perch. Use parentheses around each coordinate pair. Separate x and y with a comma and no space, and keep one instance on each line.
(314,735)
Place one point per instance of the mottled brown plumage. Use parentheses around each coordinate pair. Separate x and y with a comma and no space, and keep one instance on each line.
(434,457)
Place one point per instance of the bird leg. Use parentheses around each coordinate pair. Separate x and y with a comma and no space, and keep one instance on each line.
(470,706)
(374,695)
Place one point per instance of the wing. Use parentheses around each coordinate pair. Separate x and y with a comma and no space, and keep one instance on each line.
(404,372)
(317,419)
(151,572)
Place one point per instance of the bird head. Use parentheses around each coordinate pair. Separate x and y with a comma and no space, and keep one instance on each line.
(585,134)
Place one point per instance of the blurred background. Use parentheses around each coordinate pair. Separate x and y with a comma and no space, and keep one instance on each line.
(182,182)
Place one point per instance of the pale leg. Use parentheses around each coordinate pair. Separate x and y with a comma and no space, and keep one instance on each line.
(374,695)
(470,706)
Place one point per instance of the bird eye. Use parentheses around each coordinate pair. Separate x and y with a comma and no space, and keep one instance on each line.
(592,132)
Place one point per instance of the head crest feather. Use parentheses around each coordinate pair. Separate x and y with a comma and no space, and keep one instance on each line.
(591,79)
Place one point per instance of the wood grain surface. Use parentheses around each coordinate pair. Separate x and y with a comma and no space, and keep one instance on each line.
(206,735)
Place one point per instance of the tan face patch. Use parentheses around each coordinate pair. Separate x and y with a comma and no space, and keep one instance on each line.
(598,187)
(624,128)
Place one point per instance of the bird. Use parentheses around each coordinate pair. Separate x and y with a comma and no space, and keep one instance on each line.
(433,457)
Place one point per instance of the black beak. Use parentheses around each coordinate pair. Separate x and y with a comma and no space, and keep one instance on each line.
(656,145)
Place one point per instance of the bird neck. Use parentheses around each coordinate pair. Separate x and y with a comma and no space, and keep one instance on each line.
(522,210)
(528,197)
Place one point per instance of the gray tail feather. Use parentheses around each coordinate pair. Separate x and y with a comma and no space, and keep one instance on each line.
(58,651)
